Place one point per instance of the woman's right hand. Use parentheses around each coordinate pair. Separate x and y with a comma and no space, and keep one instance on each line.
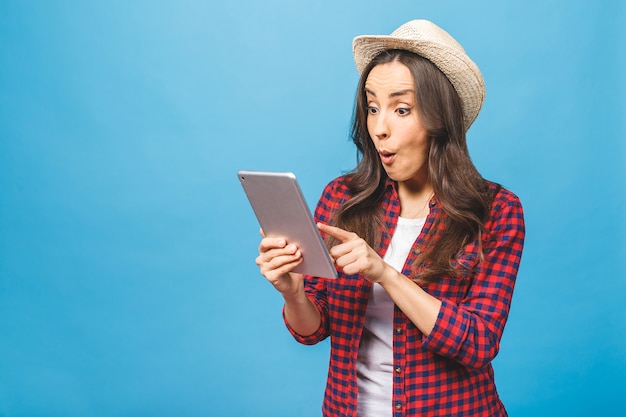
(276,260)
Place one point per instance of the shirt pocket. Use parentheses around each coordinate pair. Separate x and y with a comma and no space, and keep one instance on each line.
(455,288)
(466,260)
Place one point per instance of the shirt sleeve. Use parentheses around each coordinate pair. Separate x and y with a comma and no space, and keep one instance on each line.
(315,288)
(469,331)
(316,292)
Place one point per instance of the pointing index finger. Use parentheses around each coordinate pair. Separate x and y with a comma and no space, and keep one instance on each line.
(336,232)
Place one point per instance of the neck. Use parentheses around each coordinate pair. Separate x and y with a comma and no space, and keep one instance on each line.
(414,199)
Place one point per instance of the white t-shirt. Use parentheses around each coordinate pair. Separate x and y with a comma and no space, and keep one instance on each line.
(375,360)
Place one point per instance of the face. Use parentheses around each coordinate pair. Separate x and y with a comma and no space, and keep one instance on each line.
(394,124)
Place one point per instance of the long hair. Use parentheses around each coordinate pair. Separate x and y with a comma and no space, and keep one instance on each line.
(459,188)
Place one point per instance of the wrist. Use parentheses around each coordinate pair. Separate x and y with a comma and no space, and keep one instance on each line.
(388,275)
(295,296)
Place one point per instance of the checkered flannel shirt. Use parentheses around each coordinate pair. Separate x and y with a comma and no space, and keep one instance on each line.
(449,372)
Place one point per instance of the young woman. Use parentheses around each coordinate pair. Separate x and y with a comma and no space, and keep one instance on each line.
(427,250)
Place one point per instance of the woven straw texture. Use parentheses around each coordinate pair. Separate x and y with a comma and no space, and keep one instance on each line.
(433,43)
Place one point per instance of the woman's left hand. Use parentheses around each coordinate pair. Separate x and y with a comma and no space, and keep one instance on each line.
(353,255)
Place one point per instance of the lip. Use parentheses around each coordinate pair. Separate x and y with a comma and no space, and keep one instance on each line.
(386,157)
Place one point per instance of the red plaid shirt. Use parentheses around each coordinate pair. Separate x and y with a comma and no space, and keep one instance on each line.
(449,372)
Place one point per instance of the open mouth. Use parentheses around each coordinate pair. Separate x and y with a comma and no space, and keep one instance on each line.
(386,157)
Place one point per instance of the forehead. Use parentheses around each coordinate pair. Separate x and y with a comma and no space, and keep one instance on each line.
(392,76)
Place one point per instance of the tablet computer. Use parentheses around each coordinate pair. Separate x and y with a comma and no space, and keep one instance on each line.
(280,208)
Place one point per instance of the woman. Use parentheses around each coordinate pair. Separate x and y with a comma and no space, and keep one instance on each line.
(427,250)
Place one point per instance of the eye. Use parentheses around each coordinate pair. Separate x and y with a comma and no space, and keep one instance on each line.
(372,110)
(403,111)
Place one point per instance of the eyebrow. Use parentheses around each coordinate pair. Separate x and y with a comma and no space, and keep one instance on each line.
(394,94)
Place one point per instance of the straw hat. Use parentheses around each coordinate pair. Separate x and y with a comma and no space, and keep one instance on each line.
(433,43)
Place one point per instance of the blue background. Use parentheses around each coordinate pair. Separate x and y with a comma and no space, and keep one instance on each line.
(127,277)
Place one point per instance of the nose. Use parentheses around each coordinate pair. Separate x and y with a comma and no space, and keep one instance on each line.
(380,127)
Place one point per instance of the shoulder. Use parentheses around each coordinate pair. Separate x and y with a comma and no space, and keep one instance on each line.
(506,207)
(337,189)
(335,193)
(503,197)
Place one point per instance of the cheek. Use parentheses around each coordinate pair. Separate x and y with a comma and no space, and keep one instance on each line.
(420,150)
(421,140)
(424,150)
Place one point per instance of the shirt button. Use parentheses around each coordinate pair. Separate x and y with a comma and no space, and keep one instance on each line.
(398,406)
(399,330)
(398,370)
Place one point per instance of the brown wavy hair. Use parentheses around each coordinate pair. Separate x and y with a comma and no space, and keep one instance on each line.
(460,190)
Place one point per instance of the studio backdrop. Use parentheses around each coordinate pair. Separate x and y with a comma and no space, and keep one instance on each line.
(127,278)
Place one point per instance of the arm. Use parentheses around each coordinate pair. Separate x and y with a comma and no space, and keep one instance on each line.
(276,260)
(305,311)
(419,306)
(468,330)
(355,256)
(301,314)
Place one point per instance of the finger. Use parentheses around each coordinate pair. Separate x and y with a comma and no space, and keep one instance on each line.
(343,249)
(279,265)
(348,253)
(343,261)
(336,232)
(269,243)
(272,253)
(287,264)
(277,277)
